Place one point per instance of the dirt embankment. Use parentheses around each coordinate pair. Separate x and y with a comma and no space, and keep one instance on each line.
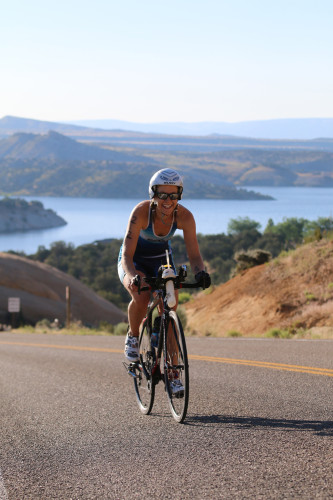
(291,292)
(42,290)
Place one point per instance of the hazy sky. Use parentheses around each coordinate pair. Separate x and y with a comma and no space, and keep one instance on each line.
(176,60)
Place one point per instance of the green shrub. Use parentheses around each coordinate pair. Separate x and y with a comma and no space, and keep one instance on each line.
(309,296)
(251,258)
(208,333)
(234,333)
(120,329)
(283,254)
(184,297)
(277,333)
(106,327)
(43,323)
(313,236)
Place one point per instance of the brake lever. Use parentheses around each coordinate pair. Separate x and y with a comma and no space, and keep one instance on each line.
(137,282)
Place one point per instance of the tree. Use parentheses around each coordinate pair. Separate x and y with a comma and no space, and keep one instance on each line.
(323,224)
(270,226)
(237,226)
(291,230)
(245,239)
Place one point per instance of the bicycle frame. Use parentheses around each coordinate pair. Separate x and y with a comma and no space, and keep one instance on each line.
(146,372)
(158,301)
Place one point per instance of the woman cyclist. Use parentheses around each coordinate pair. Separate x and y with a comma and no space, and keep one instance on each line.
(151,225)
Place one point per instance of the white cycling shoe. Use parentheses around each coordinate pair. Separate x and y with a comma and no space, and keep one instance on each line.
(177,388)
(131,348)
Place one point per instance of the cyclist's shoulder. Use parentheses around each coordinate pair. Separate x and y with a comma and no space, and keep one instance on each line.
(141,209)
(184,216)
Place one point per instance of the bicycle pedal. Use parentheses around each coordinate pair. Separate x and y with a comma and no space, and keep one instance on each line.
(130,368)
(179,395)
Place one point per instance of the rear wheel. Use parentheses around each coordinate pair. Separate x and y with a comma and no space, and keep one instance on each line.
(143,382)
(176,372)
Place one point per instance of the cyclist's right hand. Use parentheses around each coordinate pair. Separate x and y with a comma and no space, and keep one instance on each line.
(135,282)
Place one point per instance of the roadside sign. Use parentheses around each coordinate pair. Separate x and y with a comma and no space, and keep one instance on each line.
(14,304)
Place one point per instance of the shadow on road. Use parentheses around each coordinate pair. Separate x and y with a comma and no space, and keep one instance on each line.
(320,428)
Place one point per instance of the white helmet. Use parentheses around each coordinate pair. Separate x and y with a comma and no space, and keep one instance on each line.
(165,177)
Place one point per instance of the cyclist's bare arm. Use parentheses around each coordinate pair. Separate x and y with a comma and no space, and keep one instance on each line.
(186,222)
(137,221)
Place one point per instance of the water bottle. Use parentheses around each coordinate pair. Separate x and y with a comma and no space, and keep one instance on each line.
(155,332)
(154,339)
(170,289)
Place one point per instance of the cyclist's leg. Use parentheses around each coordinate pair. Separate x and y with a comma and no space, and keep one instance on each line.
(137,307)
(138,304)
(136,312)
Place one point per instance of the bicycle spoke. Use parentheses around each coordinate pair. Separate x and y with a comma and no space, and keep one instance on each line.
(143,382)
(176,374)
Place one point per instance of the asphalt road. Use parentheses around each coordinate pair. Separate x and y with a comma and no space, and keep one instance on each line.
(259,425)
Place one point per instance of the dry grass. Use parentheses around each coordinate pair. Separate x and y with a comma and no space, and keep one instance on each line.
(294,293)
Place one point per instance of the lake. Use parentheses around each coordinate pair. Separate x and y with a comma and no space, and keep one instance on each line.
(91,219)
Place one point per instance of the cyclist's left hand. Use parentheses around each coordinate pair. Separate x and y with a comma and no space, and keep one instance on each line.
(204,278)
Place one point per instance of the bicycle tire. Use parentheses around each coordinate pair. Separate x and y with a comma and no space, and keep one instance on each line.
(143,382)
(176,366)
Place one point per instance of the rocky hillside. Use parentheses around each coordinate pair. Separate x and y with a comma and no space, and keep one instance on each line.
(292,292)
(21,215)
(55,165)
(42,290)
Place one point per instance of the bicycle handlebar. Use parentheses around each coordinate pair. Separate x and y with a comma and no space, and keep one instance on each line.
(155,283)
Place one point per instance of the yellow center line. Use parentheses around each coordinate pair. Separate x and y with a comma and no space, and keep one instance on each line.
(265,364)
(212,359)
(68,347)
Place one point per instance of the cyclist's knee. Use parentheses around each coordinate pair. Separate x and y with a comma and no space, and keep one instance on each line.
(140,300)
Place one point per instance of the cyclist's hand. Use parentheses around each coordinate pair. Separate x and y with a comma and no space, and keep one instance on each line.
(203,278)
(135,282)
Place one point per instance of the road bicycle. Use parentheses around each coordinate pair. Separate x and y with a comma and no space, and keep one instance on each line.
(167,359)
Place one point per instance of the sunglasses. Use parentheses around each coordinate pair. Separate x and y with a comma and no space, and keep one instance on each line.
(165,196)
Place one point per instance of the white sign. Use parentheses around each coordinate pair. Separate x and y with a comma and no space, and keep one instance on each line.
(14,304)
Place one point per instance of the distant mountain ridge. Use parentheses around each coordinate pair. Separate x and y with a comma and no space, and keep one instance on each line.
(290,128)
(10,125)
(295,129)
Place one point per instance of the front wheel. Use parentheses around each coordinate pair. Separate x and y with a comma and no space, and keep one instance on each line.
(143,381)
(176,372)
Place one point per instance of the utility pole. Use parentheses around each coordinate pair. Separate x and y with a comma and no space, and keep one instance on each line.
(68,307)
